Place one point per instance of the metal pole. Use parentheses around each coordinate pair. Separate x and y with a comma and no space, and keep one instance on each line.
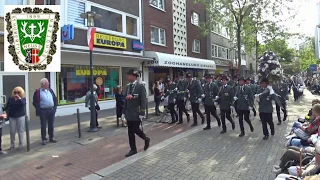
(27,132)
(147,111)
(79,125)
(93,125)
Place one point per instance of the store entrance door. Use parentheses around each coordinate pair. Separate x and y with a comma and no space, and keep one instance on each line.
(8,81)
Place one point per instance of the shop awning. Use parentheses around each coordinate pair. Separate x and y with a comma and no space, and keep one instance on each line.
(170,60)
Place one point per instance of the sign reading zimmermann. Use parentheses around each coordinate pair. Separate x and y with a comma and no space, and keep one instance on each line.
(110,41)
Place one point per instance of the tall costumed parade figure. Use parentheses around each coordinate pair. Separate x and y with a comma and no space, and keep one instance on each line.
(269,73)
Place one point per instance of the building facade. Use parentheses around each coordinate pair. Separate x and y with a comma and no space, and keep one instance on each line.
(173,40)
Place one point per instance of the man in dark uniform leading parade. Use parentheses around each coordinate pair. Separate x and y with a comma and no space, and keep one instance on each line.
(134,110)
(225,97)
(171,93)
(253,88)
(210,91)
(282,91)
(244,97)
(196,94)
(182,97)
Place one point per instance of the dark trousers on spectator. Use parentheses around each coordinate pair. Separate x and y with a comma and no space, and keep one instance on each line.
(284,110)
(225,113)
(182,108)
(0,139)
(134,128)
(244,114)
(97,124)
(266,118)
(157,101)
(295,94)
(211,110)
(195,111)
(119,111)
(47,115)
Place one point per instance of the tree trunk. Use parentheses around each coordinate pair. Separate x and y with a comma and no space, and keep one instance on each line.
(239,48)
(257,50)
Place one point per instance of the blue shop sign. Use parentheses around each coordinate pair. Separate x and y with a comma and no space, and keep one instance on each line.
(137,46)
(67,32)
(313,67)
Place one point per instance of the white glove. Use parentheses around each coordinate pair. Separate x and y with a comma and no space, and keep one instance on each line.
(217,97)
(122,117)
(174,100)
(203,95)
(215,103)
(162,98)
(250,108)
(235,98)
(184,98)
(175,89)
(199,100)
(287,101)
(256,95)
(141,117)
(231,107)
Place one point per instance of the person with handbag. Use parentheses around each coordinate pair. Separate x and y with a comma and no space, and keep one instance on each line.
(15,107)
(97,107)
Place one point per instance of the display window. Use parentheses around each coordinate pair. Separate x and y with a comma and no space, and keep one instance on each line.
(73,82)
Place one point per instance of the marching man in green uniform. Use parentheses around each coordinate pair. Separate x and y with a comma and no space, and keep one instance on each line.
(134,110)
(196,94)
(253,88)
(171,93)
(245,100)
(182,97)
(210,91)
(225,97)
(282,91)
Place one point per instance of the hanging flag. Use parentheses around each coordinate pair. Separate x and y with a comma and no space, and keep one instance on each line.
(90,37)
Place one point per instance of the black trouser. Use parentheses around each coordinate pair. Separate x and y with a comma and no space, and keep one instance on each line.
(266,118)
(157,101)
(1,139)
(119,111)
(195,111)
(244,114)
(134,128)
(173,113)
(254,111)
(235,107)
(97,124)
(295,94)
(47,115)
(284,110)
(211,110)
(182,108)
(225,113)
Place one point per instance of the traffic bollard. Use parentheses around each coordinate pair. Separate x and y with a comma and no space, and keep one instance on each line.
(27,132)
(79,125)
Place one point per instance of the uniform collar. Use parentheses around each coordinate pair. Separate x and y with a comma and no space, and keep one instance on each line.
(133,82)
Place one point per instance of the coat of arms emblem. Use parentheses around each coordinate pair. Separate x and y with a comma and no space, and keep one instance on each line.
(32,37)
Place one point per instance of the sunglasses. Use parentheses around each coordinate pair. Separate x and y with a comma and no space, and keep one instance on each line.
(16,92)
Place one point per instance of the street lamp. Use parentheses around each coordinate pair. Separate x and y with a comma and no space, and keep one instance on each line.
(90,16)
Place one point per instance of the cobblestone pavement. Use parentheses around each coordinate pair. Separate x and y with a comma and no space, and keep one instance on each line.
(209,155)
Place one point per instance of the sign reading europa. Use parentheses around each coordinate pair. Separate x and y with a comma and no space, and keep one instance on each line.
(110,41)
(85,71)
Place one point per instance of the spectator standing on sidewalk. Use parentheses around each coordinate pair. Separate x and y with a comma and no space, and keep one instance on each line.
(16,111)
(97,107)
(45,102)
(119,104)
(135,110)
(3,117)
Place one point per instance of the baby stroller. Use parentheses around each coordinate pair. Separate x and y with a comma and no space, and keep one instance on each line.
(315,89)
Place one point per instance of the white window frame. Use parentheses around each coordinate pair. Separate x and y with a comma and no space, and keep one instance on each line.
(192,20)
(193,46)
(165,36)
(216,55)
(88,5)
(157,7)
(2,3)
(220,30)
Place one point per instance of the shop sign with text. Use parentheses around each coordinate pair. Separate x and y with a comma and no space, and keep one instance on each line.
(110,41)
(85,71)
(179,64)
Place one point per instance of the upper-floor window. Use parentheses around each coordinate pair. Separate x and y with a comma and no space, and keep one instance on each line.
(112,22)
(220,52)
(220,30)
(196,46)
(157,4)
(10,2)
(158,36)
(195,19)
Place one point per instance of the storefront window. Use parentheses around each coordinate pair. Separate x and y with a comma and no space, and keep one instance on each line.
(74,82)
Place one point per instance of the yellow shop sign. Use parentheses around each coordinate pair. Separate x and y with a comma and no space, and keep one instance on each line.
(110,41)
(85,71)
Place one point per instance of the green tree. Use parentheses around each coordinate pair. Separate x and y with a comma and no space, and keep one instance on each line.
(280,48)
(307,54)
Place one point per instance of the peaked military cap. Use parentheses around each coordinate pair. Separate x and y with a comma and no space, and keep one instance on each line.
(224,77)
(208,76)
(241,79)
(188,75)
(264,80)
(134,72)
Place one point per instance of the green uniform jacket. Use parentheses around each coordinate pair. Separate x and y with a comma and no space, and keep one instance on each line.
(195,91)
(282,90)
(265,104)
(136,106)
(219,83)
(171,93)
(231,83)
(226,95)
(253,88)
(245,98)
(182,89)
(211,91)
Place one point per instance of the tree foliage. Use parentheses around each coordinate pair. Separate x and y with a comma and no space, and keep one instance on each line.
(280,48)
(307,54)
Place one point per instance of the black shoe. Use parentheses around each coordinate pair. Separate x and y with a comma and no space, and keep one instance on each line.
(241,134)
(131,153)
(233,125)
(284,119)
(146,143)
(172,122)
(194,124)
(202,121)
(219,123)
(53,141)
(188,118)
(99,127)
(272,133)
(279,123)
(251,128)
(207,128)
(265,137)
(180,122)
(223,131)
(44,142)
